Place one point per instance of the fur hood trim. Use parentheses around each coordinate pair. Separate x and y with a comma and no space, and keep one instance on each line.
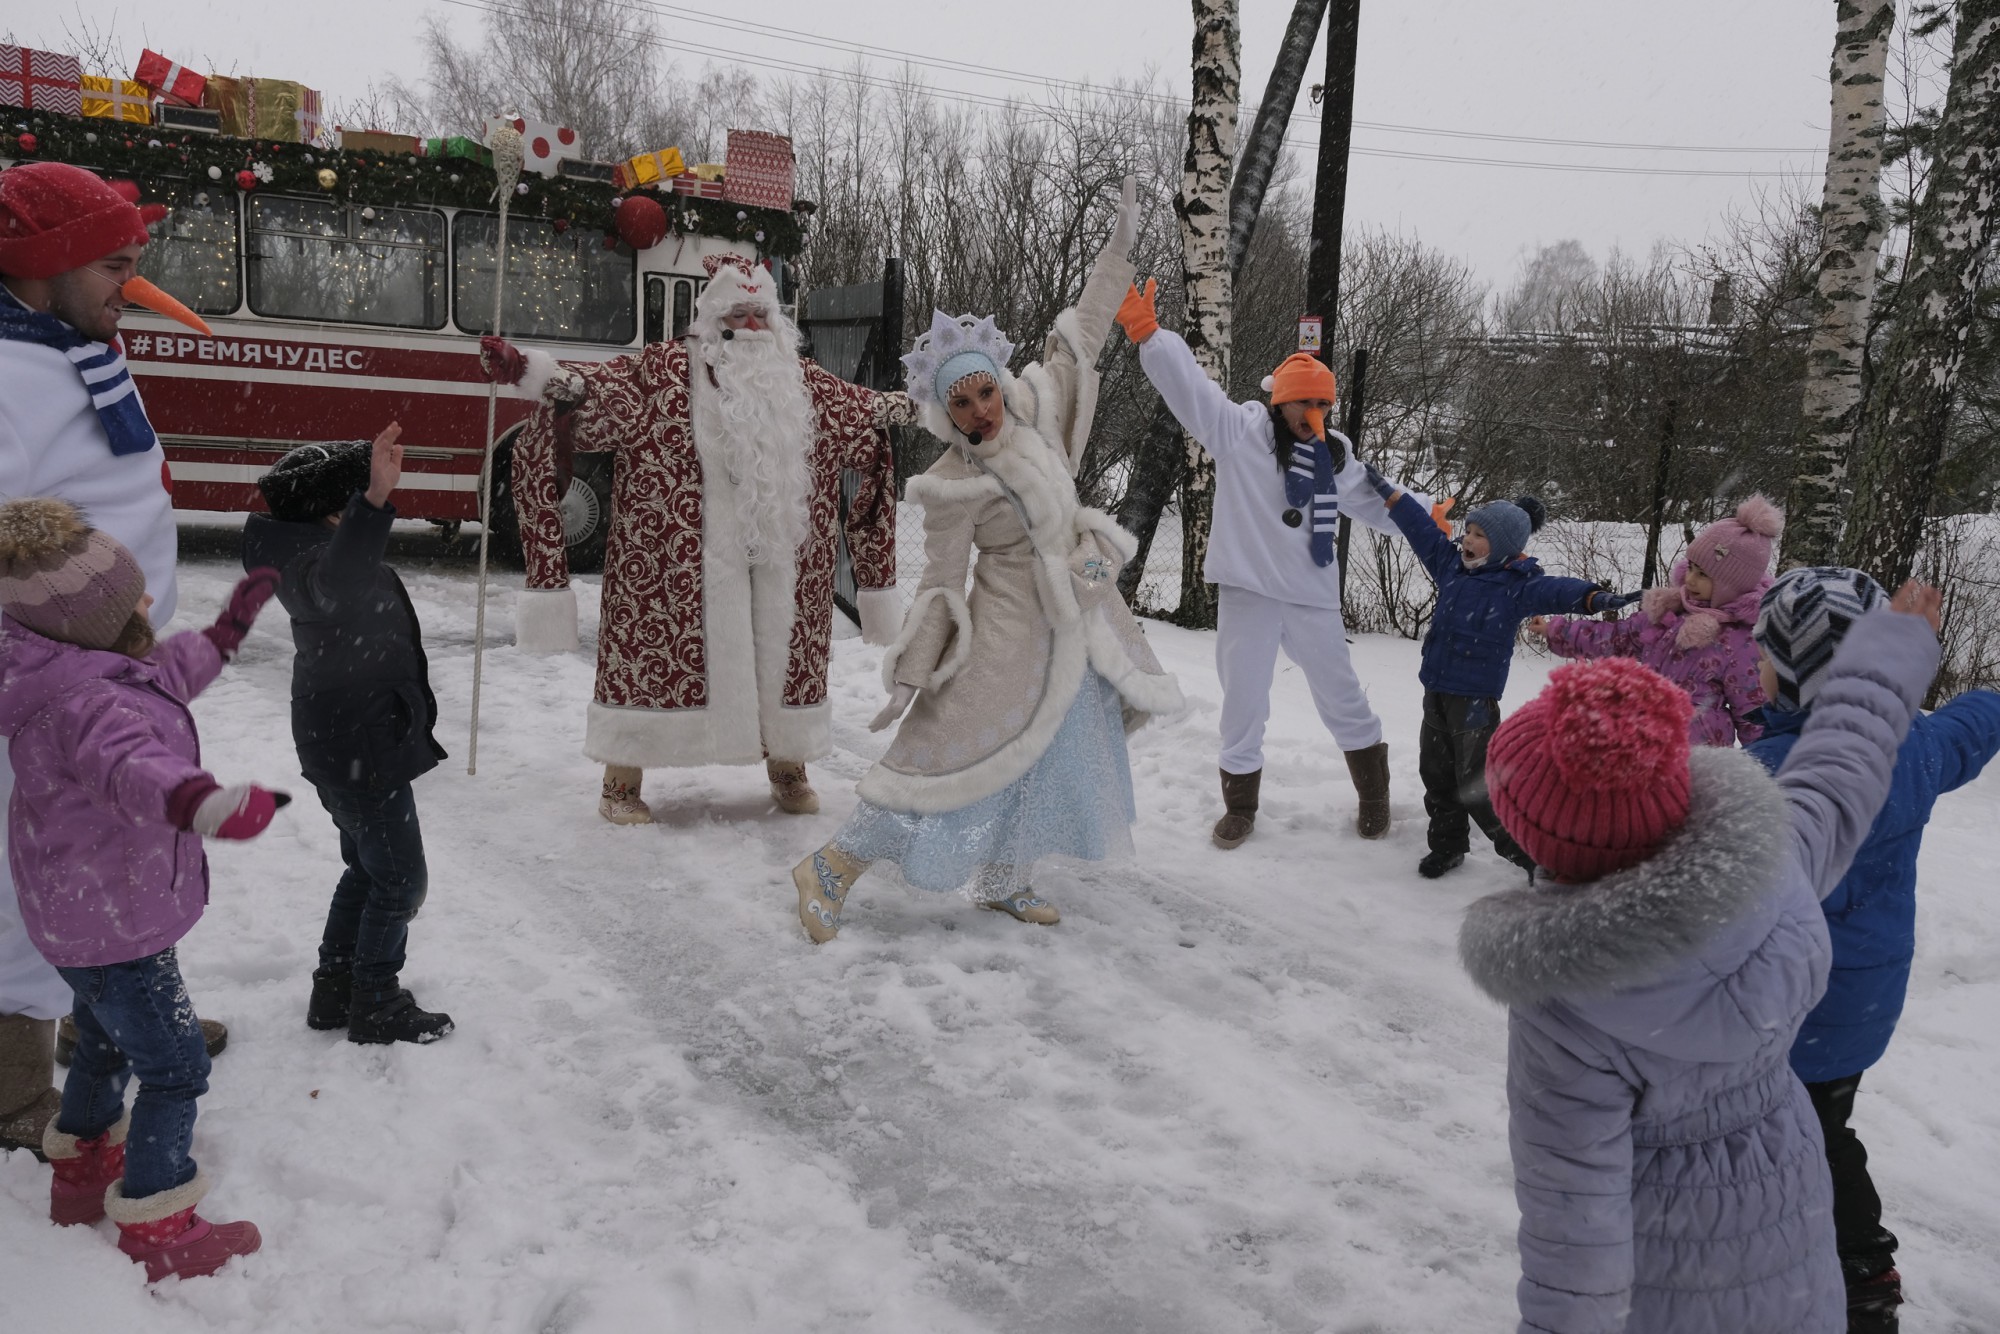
(1525,946)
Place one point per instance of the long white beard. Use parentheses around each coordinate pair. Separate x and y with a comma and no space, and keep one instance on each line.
(757,418)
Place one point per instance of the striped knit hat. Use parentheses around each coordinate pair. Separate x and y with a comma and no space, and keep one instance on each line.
(62,578)
(1801,620)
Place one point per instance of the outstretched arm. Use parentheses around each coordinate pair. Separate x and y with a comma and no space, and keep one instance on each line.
(1217,423)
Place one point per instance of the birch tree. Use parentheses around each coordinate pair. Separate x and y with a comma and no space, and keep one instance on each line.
(1203,209)
(1853,222)
(1902,437)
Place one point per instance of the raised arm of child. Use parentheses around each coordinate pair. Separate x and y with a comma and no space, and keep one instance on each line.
(346,569)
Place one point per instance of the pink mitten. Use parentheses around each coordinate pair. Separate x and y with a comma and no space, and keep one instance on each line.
(252,591)
(244,810)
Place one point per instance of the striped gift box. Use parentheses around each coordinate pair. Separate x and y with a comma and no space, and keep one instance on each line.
(40,80)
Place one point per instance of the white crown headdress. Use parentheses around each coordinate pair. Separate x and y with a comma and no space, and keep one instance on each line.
(948,338)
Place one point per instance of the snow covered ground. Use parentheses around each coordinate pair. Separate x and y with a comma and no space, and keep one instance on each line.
(1239,1092)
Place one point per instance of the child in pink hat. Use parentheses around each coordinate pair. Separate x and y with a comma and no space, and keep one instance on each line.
(1695,631)
(1667,1163)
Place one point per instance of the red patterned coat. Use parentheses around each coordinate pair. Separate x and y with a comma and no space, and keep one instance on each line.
(701,658)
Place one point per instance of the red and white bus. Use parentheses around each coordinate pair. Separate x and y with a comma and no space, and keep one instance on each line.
(333,319)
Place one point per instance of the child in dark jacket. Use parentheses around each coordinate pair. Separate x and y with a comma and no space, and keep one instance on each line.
(105,829)
(362,714)
(1871,913)
(1486,588)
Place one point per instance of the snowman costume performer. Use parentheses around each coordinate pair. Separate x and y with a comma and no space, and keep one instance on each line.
(1018,696)
(1281,483)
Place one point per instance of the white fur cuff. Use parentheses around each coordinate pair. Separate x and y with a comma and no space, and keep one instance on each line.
(548,379)
(545,620)
(56,1145)
(881,614)
(153,1208)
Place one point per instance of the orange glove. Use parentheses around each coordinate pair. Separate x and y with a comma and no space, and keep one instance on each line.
(1438,512)
(1136,314)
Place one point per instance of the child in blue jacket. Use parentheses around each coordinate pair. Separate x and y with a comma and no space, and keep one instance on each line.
(1871,914)
(1486,588)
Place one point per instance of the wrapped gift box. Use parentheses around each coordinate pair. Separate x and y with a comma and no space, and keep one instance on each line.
(380,141)
(654,169)
(758,170)
(265,109)
(543,145)
(40,80)
(583,169)
(691,184)
(193,120)
(171,80)
(117,99)
(458,146)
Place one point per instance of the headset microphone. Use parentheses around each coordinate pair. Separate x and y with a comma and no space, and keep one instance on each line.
(973,438)
(728,334)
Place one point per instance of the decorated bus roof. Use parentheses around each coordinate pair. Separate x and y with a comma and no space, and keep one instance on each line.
(170,165)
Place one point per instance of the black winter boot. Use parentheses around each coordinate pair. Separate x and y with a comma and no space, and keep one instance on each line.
(332,997)
(391,1014)
(1872,1303)
(1436,864)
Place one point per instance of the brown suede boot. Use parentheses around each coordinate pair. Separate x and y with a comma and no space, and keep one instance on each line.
(214,1036)
(1370,770)
(1239,808)
(28,1098)
(790,787)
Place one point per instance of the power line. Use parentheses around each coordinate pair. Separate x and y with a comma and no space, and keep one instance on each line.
(986,101)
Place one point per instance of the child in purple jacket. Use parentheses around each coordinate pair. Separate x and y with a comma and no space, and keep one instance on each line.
(104,839)
(1696,630)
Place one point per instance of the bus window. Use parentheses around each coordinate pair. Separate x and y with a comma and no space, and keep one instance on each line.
(192,254)
(683,307)
(312,259)
(562,285)
(656,309)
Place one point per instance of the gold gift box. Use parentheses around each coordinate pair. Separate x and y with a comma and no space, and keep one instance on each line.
(117,99)
(265,108)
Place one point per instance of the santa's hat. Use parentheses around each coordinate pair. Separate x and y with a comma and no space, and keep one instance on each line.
(55,217)
(734,281)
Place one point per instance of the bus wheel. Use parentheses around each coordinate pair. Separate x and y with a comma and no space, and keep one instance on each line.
(586,509)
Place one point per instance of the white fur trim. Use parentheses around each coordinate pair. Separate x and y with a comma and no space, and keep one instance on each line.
(961,646)
(685,738)
(1097,521)
(545,620)
(164,1204)
(881,614)
(55,1144)
(1157,696)
(1268,384)
(544,374)
(799,733)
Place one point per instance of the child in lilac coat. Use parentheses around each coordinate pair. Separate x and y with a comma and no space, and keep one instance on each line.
(1696,630)
(104,839)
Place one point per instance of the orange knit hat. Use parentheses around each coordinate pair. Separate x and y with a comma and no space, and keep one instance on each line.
(1300,376)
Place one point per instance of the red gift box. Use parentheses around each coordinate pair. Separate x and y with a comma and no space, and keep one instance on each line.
(175,82)
(40,80)
(691,184)
(757,173)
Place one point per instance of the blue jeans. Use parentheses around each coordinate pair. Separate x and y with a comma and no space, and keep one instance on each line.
(368,924)
(136,1018)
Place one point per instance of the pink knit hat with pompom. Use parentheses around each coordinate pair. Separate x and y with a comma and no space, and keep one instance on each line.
(1736,552)
(1591,775)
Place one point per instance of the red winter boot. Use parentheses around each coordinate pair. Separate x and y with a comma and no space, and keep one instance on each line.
(84,1168)
(164,1232)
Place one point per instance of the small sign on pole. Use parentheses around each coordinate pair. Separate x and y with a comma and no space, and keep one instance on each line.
(1309,333)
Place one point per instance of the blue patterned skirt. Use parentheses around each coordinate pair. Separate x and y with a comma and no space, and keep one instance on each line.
(1076,802)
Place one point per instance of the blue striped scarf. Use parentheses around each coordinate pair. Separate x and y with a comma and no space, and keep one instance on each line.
(1309,487)
(102,366)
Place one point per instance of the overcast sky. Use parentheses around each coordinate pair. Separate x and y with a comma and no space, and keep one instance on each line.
(1708,74)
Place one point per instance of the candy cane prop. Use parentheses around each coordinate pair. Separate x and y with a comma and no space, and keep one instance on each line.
(505,141)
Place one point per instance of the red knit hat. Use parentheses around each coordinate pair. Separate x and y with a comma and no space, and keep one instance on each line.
(1591,775)
(55,217)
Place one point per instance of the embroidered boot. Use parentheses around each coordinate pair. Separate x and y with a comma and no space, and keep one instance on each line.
(164,1233)
(28,1098)
(1025,907)
(1370,771)
(1239,807)
(790,787)
(214,1036)
(621,802)
(84,1170)
(823,880)
(332,996)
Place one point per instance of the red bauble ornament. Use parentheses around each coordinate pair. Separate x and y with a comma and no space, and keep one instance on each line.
(29,143)
(562,224)
(246,179)
(641,222)
(610,241)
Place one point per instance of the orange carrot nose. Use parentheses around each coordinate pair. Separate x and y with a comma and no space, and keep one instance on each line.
(139,292)
(1317,420)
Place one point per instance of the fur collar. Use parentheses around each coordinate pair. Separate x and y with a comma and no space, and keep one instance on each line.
(1525,946)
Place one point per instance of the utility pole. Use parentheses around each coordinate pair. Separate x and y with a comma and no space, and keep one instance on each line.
(1336,129)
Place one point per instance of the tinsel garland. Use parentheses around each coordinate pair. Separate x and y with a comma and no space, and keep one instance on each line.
(172,165)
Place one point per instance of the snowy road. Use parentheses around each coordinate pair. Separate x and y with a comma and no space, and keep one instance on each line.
(1231,1092)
